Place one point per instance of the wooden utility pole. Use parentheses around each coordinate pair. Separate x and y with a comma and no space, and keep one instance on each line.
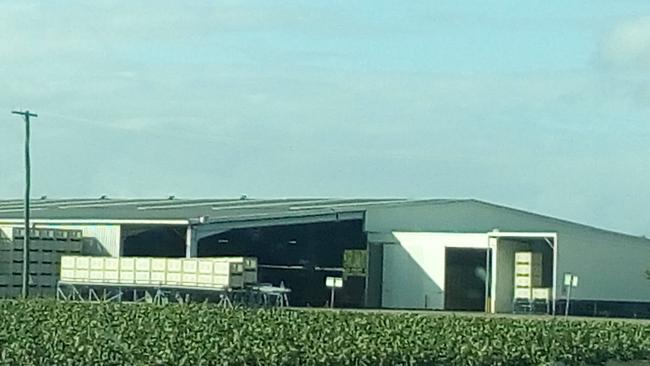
(25,272)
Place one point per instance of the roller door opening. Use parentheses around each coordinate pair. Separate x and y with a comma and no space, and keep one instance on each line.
(465,276)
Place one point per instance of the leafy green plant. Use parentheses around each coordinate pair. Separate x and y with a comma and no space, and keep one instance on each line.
(52,333)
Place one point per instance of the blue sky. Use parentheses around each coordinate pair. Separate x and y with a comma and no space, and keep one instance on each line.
(541,105)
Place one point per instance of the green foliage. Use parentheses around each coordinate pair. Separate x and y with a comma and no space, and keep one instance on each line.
(51,333)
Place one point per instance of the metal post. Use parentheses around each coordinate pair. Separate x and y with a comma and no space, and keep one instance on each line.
(488,279)
(332,298)
(568,298)
(555,259)
(25,270)
(191,242)
(366,289)
(493,244)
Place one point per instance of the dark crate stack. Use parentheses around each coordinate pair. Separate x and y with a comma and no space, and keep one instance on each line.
(46,248)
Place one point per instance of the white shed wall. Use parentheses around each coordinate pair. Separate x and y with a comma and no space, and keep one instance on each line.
(105,236)
(414,268)
(6,231)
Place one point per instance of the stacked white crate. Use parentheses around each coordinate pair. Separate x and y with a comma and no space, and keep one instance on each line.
(184,272)
(111,270)
(543,294)
(75,268)
(189,276)
(174,271)
(158,275)
(249,267)
(143,270)
(220,277)
(528,273)
(126,269)
(100,269)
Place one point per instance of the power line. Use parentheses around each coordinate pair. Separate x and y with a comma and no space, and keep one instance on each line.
(161,133)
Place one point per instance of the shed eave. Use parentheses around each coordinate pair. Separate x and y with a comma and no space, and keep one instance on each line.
(101,221)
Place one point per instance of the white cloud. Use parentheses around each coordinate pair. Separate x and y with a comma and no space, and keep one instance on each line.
(628,44)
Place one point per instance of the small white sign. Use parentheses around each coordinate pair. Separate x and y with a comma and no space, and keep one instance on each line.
(570,280)
(334,282)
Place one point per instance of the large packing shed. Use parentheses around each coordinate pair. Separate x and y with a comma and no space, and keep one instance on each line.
(419,254)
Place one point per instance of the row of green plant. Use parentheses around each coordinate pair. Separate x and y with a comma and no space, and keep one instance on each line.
(42,332)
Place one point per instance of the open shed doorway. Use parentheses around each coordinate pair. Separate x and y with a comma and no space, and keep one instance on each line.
(298,256)
(153,241)
(465,279)
(503,269)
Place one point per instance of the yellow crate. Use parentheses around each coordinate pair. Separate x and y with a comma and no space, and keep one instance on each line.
(142,264)
(96,275)
(188,279)
(528,281)
(158,278)
(190,265)
(127,276)
(205,267)
(127,264)
(82,263)
(112,264)
(204,279)
(523,293)
(67,275)
(174,265)
(68,262)
(97,263)
(173,278)
(81,275)
(220,268)
(143,277)
(111,276)
(541,293)
(159,264)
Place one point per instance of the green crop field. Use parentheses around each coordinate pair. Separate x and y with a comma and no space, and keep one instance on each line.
(51,333)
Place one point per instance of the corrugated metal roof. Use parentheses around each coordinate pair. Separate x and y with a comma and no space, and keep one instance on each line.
(182,209)
(226,209)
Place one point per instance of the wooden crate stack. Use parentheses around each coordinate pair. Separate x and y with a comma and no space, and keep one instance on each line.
(46,248)
(6,267)
(528,274)
(209,272)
